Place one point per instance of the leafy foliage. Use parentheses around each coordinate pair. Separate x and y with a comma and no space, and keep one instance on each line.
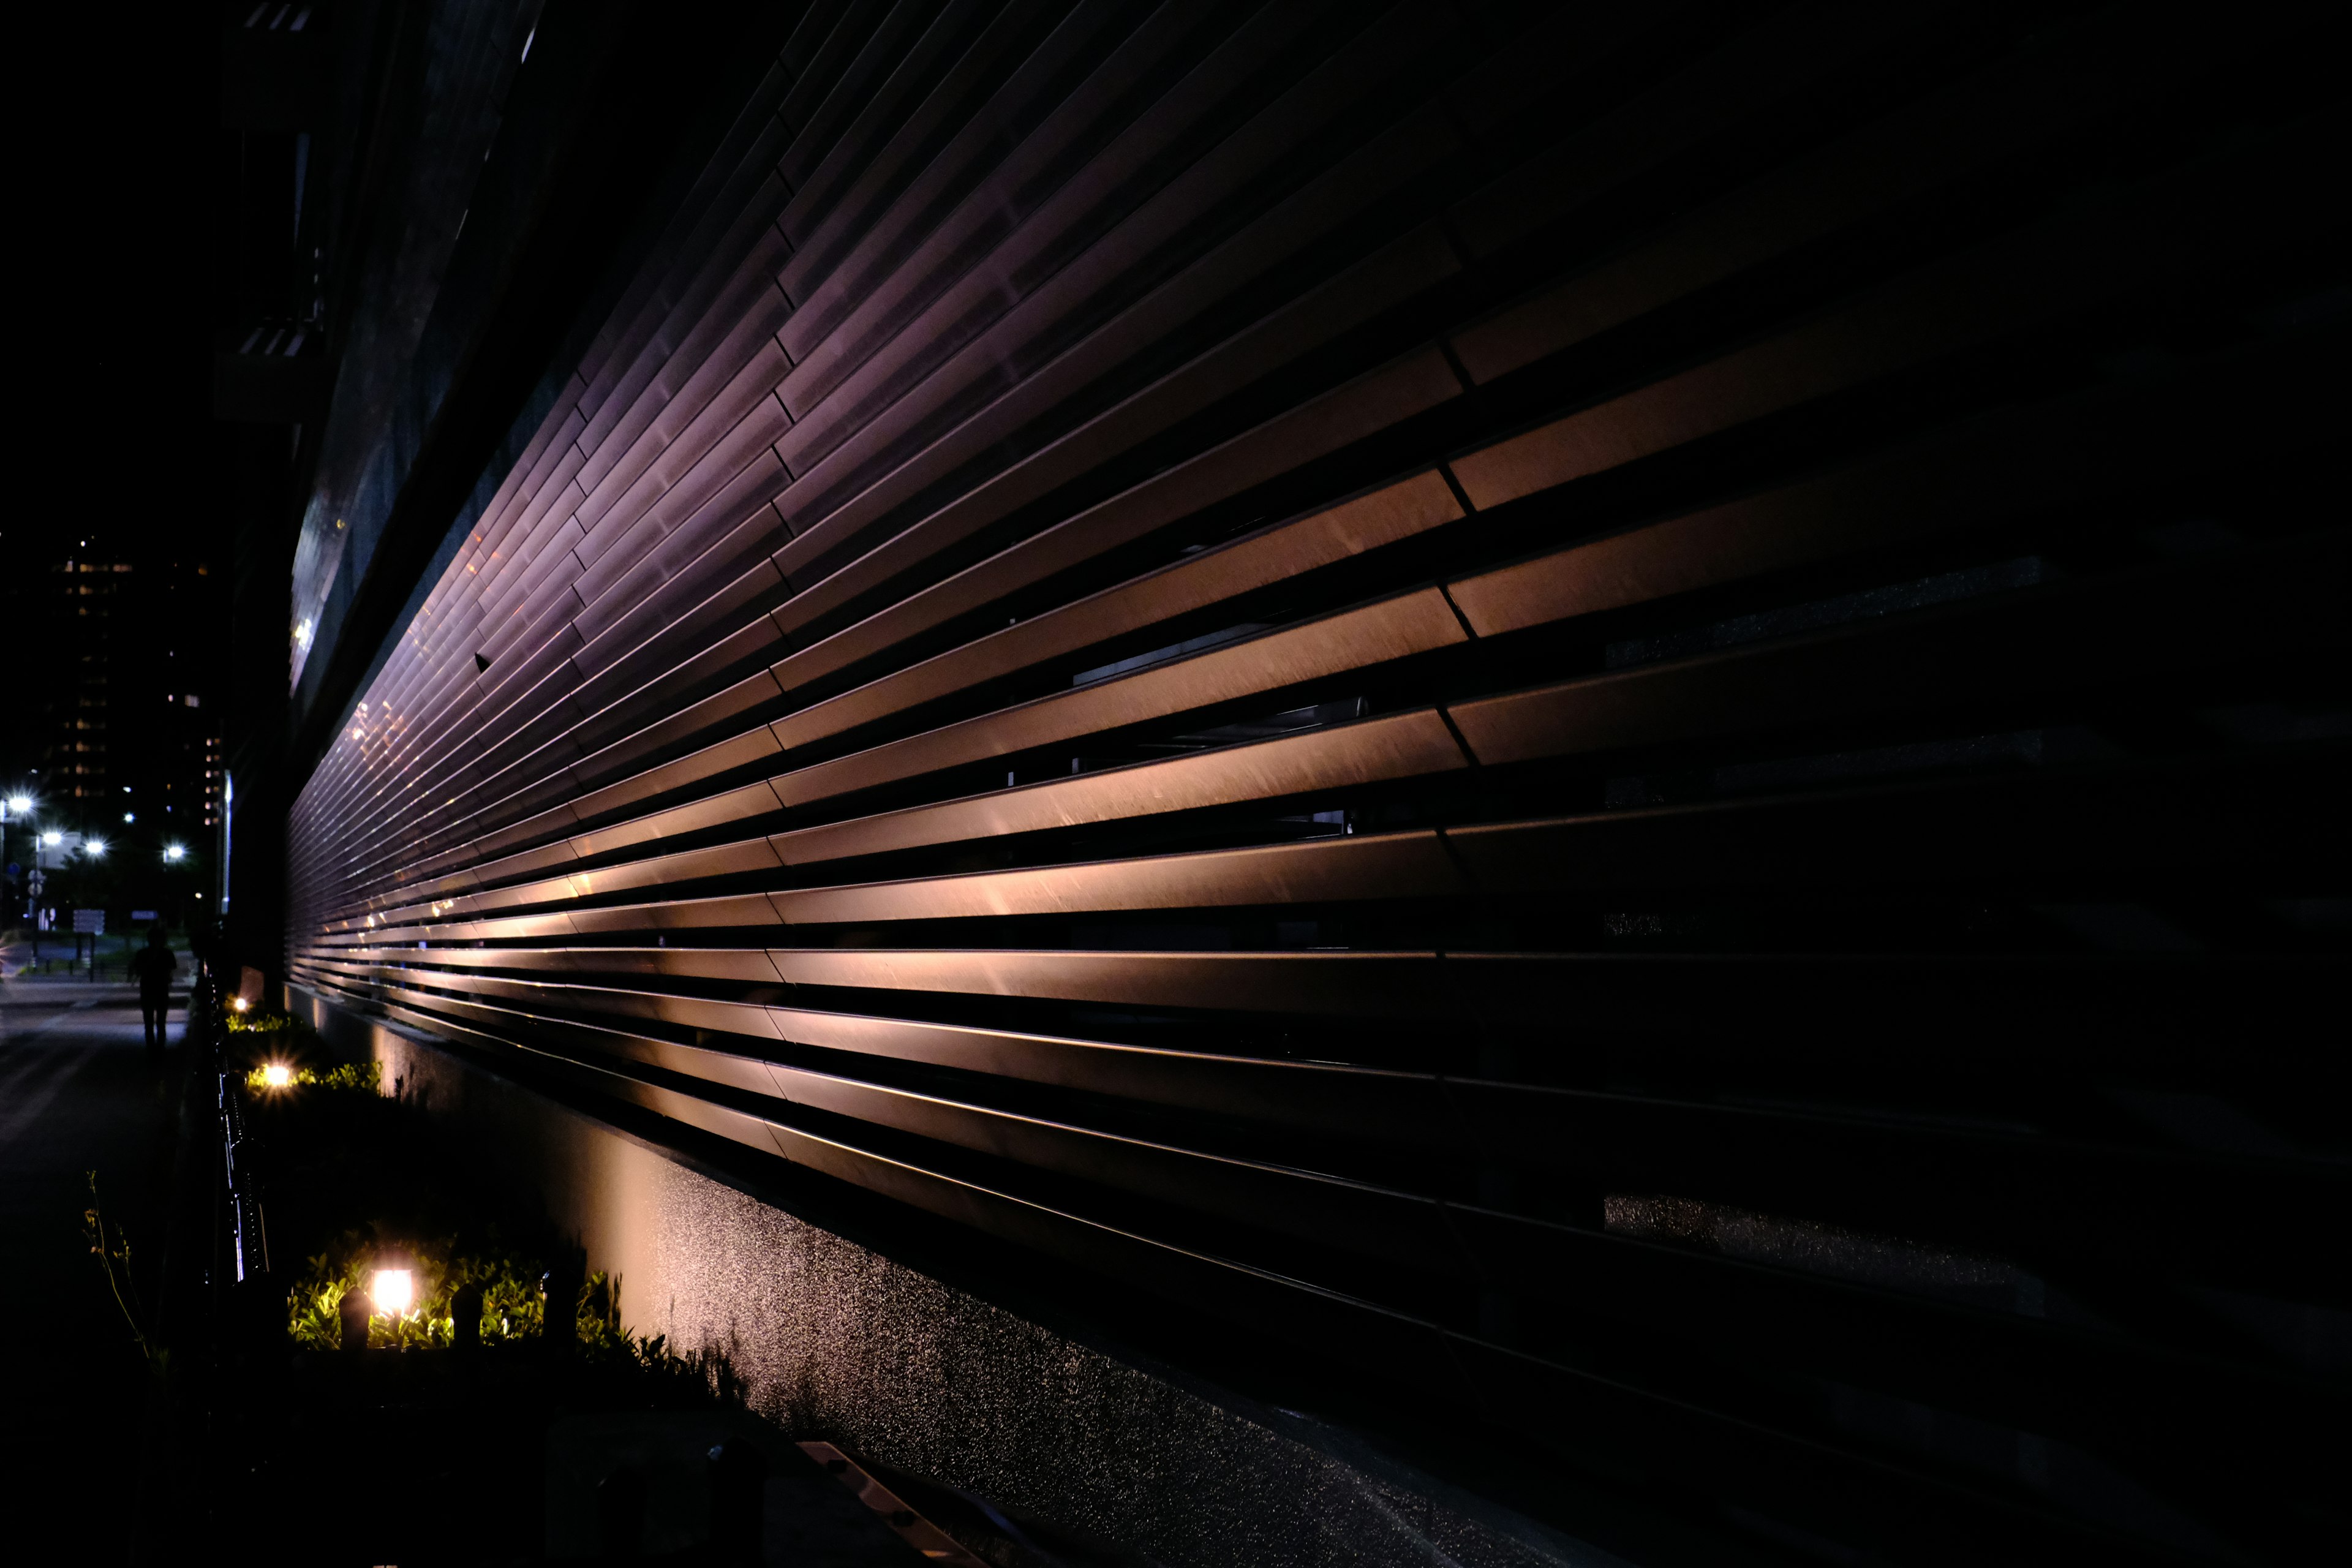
(382,1183)
(513,1305)
(113,1249)
(673,1378)
(364,1077)
(514,1302)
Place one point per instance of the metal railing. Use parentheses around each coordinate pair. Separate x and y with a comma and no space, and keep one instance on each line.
(248,1236)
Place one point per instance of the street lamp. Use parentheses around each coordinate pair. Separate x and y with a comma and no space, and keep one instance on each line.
(175,853)
(11,810)
(96,848)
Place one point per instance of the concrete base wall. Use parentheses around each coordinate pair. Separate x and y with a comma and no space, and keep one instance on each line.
(832,1338)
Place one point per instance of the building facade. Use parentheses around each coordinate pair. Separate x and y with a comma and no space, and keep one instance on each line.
(1581,774)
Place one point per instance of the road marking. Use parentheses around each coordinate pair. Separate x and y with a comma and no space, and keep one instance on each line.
(22,1115)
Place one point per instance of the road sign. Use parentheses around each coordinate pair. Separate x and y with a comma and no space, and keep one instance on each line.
(89,922)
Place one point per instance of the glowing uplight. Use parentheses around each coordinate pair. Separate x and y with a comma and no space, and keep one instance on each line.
(394,1292)
(277,1075)
(240,1004)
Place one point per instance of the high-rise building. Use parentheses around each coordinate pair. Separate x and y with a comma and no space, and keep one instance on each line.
(80,759)
(118,730)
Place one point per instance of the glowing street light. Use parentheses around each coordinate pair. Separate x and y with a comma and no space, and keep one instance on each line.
(394,1292)
(20,804)
(53,839)
(175,853)
(95,847)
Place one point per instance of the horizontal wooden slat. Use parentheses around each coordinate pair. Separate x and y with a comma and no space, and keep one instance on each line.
(1309,657)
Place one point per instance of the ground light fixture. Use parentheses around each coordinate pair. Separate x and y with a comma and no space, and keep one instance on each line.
(240,1004)
(175,853)
(394,1292)
(277,1075)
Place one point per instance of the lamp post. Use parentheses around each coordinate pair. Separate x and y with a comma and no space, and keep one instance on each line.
(43,842)
(173,904)
(92,849)
(13,810)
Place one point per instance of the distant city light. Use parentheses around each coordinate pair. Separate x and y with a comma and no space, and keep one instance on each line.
(129,816)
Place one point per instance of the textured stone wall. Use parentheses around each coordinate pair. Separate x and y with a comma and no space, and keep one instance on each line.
(831,1337)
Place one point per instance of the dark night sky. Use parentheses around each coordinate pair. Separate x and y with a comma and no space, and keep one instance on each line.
(116,286)
(122,271)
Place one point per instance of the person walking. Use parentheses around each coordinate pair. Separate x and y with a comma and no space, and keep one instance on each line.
(156,966)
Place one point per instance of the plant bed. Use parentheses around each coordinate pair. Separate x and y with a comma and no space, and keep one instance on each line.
(358,1183)
(425,1442)
(433,1418)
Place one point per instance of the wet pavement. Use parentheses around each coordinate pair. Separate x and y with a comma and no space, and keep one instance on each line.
(79,1092)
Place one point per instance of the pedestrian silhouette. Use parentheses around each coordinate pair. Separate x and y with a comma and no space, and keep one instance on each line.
(156,965)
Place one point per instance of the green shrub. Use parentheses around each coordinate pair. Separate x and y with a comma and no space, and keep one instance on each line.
(370,1174)
(514,1305)
(511,1304)
(365,1077)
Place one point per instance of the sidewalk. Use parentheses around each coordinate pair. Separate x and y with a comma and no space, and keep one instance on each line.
(78,1091)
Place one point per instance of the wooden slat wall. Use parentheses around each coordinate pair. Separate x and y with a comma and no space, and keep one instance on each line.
(1633,720)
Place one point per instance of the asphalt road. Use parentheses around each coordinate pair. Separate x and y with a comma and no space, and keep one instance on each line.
(79,1092)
